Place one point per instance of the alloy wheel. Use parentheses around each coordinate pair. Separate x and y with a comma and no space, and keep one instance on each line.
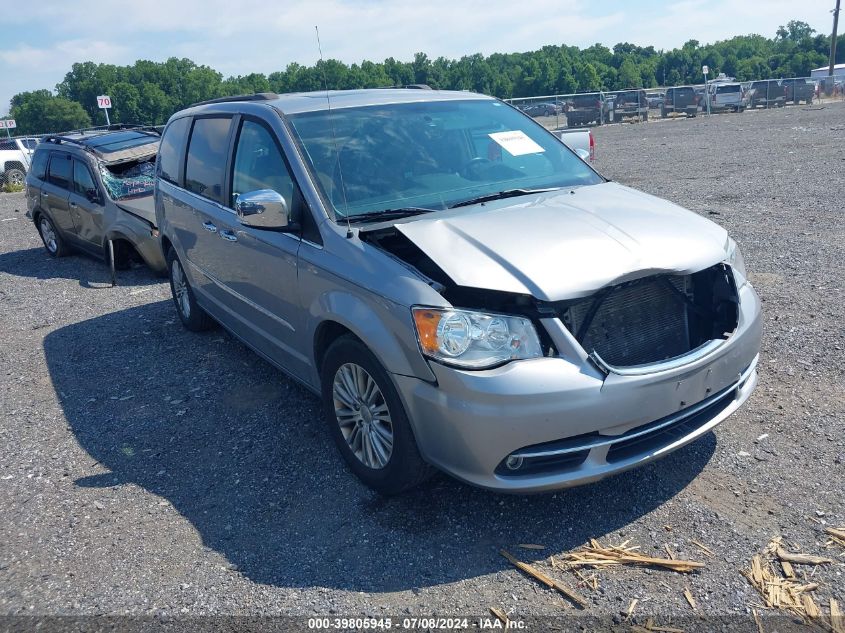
(49,235)
(180,289)
(363,415)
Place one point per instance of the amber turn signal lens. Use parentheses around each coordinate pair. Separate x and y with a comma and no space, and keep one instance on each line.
(427,322)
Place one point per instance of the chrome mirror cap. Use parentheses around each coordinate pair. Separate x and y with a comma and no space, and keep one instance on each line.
(262,209)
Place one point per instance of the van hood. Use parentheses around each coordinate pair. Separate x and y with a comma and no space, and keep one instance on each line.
(566,244)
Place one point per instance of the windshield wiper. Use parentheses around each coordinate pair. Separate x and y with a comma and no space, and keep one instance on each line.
(501,195)
(387,214)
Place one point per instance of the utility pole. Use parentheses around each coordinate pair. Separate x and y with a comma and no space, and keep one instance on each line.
(833,40)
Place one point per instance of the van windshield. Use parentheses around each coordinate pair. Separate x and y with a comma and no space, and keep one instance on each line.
(430,155)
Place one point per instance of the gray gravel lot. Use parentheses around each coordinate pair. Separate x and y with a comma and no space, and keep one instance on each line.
(148,470)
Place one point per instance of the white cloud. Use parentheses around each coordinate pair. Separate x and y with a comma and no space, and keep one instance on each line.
(62,54)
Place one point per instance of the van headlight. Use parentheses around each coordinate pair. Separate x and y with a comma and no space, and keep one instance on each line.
(735,260)
(474,340)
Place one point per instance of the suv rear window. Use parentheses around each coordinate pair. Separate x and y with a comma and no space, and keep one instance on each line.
(585,101)
(727,89)
(60,170)
(206,164)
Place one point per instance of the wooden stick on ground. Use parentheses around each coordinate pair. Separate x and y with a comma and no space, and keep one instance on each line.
(543,578)
(501,616)
(801,559)
(837,620)
(703,548)
(690,599)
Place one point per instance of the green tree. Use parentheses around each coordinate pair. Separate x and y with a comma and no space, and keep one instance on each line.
(629,75)
(40,112)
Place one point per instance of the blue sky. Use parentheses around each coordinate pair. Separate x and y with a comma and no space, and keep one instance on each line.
(41,39)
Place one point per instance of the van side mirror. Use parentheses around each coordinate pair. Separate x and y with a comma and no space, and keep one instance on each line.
(92,196)
(263,209)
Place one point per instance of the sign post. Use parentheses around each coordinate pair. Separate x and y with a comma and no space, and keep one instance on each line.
(705,70)
(8,124)
(104,103)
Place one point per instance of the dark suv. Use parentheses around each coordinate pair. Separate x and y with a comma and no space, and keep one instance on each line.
(630,103)
(798,90)
(89,187)
(681,99)
(584,109)
(768,93)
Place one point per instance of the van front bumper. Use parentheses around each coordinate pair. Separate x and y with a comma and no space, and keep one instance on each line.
(542,424)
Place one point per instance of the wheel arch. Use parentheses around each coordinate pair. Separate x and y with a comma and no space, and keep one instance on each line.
(338,313)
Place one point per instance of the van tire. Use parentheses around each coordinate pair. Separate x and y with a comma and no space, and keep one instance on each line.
(193,317)
(405,468)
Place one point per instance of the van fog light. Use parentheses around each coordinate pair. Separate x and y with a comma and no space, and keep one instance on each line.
(514,462)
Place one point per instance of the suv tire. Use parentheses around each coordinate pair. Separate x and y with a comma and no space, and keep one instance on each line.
(53,242)
(193,317)
(367,420)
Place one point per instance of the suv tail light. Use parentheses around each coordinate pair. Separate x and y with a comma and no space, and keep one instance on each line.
(592,146)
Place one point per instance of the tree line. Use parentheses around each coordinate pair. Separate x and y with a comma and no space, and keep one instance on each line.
(149,92)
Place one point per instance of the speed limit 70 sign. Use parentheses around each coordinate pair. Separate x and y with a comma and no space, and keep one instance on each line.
(103,101)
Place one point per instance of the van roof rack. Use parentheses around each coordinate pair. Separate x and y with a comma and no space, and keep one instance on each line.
(258,96)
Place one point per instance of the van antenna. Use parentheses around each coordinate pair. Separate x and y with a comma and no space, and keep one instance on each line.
(349,234)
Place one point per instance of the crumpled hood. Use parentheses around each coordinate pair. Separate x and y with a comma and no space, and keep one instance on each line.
(142,207)
(566,244)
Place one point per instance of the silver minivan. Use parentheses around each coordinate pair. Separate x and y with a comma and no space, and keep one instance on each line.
(462,291)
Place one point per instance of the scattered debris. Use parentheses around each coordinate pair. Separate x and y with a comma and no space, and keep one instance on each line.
(837,535)
(543,578)
(596,555)
(631,608)
(501,616)
(531,546)
(762,437)
(777,592)
(744,454)
(703,548)
(669,551)
(690,599)
(787,569)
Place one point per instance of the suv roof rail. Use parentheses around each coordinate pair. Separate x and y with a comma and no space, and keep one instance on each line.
(258,96)
(108,128)
(64,137)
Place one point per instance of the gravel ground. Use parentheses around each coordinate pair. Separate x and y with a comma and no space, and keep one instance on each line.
(148,470)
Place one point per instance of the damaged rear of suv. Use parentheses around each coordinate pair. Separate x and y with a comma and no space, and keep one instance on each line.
(459,287)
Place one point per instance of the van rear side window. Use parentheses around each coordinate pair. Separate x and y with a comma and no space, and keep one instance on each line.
(204,171)
(170,150)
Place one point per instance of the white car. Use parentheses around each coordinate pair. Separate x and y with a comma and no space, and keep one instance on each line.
(15,158)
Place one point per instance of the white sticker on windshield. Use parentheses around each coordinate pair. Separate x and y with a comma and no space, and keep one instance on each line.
(516,143)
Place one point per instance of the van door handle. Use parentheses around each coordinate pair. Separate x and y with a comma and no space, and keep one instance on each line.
(73,205)
(229,235)
(209,226)
(44,194)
